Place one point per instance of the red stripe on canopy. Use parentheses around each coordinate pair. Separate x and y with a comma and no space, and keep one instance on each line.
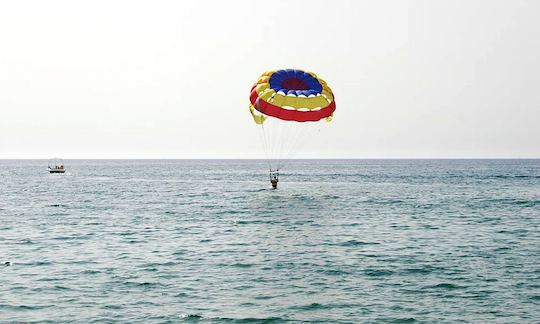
(292,115)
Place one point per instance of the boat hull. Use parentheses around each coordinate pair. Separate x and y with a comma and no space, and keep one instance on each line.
(56,171)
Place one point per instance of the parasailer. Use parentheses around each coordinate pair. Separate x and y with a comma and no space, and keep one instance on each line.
(274,174)
(289,105)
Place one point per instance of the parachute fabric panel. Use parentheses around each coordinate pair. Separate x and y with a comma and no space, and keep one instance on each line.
(259,119)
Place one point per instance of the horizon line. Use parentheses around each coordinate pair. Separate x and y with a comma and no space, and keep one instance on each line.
(293,159)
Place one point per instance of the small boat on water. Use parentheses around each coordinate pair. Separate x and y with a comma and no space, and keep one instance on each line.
(56,166)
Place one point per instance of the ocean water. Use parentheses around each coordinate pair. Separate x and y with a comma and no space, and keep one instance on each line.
(341,241)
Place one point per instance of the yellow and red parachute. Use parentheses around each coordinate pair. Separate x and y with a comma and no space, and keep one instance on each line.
(292,95)
(290,106)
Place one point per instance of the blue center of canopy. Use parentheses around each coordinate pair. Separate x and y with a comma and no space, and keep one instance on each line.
(295,82)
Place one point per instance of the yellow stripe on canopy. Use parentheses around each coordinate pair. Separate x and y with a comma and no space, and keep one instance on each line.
(259,119)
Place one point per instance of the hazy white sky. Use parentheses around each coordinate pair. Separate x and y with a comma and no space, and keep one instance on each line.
(171,79)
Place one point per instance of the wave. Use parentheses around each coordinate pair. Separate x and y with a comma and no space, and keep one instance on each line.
(23,307)
(197,318)
(356,243)
(378,272)
(506,201)
(58,205)
(422,270)
(447,286)
(252,320)
(403,320)
(514,176)
(334,272)
(236,265)
(318,306)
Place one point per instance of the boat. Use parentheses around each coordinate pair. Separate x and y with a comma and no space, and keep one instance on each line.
(56,166)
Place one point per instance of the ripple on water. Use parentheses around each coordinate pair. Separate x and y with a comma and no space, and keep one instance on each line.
(356,243)
(378,272)
(444,286)
(9,307)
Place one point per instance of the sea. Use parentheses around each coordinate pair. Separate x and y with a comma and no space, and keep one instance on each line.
(339,241)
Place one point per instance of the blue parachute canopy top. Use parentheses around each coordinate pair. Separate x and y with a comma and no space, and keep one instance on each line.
(295,82)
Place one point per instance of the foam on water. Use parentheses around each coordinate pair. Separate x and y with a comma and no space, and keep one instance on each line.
(400,241)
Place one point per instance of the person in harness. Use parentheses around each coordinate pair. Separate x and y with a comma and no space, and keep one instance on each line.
(274,178)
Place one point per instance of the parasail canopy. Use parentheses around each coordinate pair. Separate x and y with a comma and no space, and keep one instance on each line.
(291,95)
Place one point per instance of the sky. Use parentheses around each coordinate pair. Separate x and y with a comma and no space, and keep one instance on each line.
(171,79)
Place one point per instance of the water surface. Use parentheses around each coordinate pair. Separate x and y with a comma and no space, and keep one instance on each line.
(339,241)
